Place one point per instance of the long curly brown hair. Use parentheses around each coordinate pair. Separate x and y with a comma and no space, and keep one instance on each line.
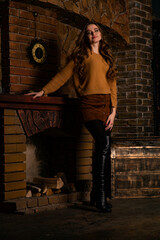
(81,51)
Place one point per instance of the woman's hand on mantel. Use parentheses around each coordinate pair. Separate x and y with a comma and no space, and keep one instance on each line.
(36,94)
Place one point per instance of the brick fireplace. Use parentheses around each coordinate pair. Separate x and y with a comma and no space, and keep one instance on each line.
(22,117)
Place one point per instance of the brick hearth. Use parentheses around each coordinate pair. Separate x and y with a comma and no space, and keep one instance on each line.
(38,204)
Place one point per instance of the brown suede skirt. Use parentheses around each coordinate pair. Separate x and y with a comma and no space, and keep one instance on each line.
(96,107)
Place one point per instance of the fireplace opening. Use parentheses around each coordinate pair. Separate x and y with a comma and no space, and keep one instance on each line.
(50,163)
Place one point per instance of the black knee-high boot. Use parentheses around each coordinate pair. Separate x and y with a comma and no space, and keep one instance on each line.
(108,169)
(94,179)
(103,155)
(97,153)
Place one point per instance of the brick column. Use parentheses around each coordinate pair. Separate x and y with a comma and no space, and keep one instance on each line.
(12,156)
(84,152)
(135,83)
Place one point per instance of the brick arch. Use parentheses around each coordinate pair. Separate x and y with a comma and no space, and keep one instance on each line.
(110,13)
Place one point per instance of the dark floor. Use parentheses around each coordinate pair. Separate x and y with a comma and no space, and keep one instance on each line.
(137,219)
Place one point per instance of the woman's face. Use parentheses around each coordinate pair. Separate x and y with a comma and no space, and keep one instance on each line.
(93,34)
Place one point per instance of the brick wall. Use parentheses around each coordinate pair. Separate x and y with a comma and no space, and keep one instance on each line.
(135,83)
(23,27)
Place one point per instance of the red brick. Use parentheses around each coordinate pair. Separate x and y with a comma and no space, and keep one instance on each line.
(27,31)
(12,177)
(29,80)
(26,14)
(15,157)
(83,161)
(15,79)
(14,28)
(19,5)
(81,154)
(46,28)
(14,45)
(14,12)
(14,185)
(14,194)
(63,198)
(27,64)
(20,63)
(19,88)
(84,145)
(19,38)
(31,202)
(24,71)
(21,30)
(42,201)
(53,199)
(11,120)
(18,55)
(48,20)
(14,129)
(27,72)
(15,148)
(15,62)
(37,9)
(48,36)
(14,167)
(42,11)
(18,21)
(10,112)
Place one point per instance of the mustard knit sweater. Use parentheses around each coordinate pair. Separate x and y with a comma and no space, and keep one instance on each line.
(95,82)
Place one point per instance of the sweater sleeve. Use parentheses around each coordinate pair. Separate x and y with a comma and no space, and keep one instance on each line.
(59,79)
(113,88)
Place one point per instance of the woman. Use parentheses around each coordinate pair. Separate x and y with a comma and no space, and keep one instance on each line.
(95,82)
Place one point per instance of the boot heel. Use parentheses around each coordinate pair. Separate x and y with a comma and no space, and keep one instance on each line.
(104,209)
(101,202)
(93,201)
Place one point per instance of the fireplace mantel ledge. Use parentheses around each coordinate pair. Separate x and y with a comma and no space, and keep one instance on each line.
(41,103)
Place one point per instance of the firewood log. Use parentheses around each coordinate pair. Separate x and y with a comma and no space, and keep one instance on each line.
(49,192)
(53,183)
(36,194)
(33,188)
(29,194)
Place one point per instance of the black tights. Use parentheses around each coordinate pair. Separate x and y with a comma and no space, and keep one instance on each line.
(102,139)
(97,130)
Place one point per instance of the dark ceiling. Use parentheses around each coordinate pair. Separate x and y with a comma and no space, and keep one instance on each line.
(156,8)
